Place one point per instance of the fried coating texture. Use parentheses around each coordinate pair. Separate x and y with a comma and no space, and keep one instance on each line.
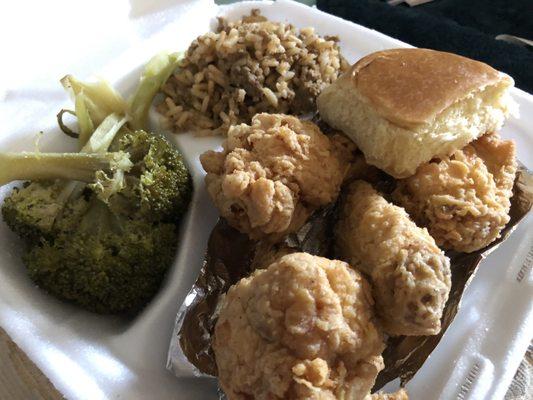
(463,199)
(409,274)
(301,329)
(273,174)
(358,168)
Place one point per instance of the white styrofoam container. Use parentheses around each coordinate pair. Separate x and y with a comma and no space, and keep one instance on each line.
(92,357)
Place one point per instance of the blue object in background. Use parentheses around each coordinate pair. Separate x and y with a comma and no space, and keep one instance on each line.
(419,27)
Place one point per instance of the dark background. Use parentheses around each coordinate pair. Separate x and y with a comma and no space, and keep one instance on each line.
(466,27)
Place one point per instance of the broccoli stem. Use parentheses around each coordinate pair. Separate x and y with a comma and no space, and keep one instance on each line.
(85,122)
(155,74)
(69,166)
(93,103)
(102,137)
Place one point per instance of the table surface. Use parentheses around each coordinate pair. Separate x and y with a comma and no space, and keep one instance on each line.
(20,379)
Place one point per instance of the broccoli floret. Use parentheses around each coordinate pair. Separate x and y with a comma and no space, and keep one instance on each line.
(143,174)
(104,232)
(158,185)
(107,264)
(31,211)
(101,225)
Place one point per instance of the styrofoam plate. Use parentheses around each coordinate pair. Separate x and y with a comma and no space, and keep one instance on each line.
(97,357)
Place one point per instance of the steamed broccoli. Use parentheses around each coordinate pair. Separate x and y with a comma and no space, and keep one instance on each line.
(102,262)
(158,185)
(107,243)
(32,212)
(101,225)
(72,166)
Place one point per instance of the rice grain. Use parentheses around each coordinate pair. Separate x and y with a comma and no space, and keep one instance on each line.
(246,67)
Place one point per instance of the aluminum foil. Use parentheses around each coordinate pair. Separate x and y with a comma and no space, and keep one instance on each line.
(231,256)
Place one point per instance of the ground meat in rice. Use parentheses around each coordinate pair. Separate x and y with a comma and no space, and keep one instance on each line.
(247,67)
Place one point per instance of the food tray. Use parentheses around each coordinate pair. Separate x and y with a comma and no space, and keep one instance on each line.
(96,357)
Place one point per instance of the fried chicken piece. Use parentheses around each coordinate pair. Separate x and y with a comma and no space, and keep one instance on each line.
(399,395)
(463,199)
(303,328)
(273,174)
(410,275)
(358,168)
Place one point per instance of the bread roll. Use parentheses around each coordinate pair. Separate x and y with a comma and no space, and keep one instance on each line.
(403,107)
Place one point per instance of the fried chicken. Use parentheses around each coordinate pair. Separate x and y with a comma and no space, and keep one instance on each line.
(273,174)
(303,328)
(463,199)
(410,275)
(358,168)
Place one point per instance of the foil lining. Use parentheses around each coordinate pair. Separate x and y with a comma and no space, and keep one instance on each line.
(231,256)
